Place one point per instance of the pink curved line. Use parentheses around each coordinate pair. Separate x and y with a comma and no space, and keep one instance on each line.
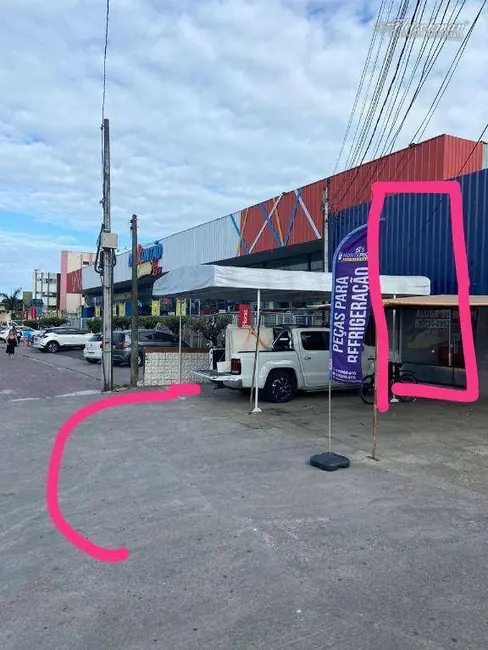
(471,392)
(82,543)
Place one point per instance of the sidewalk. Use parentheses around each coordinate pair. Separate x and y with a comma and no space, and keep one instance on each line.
(23,377)
(74,364)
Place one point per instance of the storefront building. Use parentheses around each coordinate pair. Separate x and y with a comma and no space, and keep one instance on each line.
(286,232)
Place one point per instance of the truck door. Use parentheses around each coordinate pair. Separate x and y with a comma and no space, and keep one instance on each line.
(314,358)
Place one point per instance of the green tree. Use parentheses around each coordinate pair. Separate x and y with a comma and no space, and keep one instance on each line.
(212,328)
(11,303)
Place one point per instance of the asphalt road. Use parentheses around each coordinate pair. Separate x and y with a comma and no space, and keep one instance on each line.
(235,542)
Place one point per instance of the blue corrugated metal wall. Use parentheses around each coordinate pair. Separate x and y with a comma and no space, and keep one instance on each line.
(416,236)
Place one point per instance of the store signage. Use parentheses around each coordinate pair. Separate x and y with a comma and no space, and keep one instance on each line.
(148,258)
(74,282)
(244,316)
(435,319)
(350,307)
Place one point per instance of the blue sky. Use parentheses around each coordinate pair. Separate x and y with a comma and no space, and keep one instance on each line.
(213,105)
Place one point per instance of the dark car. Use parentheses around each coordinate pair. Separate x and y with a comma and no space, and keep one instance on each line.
(121,341)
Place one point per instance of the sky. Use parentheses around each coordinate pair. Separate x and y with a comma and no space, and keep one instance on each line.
(213,106)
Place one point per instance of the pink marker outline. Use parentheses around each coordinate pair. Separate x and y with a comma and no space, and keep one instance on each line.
(52,495)
(453,189)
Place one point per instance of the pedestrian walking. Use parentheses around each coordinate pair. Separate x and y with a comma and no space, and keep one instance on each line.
(12,342)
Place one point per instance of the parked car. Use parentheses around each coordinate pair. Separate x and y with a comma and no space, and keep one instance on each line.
(297,360)
(54,339)
(4,332)
(121,352)
(93,349)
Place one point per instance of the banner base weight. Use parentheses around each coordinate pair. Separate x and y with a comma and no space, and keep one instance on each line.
(329,462)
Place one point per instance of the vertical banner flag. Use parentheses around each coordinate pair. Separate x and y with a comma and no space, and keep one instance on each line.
(97,311)
(244,316)
(350,307)
(155,308)
(181,306)
(122,309)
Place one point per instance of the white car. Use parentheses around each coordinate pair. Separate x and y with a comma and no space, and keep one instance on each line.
(93,349)
(4,332)
(57,338)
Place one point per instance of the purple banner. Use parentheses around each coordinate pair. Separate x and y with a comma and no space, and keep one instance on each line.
(350,307)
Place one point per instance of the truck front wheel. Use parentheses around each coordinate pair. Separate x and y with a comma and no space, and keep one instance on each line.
(280,387)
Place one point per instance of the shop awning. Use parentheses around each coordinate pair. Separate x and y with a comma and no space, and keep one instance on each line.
(241,284)
(439,301)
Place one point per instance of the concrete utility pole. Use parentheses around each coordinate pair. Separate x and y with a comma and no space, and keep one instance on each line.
(108,244)
(134,359)
(325,237)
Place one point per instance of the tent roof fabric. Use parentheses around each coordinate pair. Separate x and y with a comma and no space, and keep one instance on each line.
(241,284)
(434,301)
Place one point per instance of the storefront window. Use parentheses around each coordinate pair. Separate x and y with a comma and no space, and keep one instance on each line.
(433,337)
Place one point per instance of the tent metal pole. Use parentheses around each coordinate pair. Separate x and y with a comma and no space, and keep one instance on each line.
(179,302)
(256,408)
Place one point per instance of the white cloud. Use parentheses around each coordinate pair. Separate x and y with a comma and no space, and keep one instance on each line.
(213,106)
(22,252)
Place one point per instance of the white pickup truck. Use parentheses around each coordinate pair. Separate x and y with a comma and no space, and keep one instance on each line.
(298,359)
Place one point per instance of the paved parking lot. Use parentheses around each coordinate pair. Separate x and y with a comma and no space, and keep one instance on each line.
(73,360)
(235,541)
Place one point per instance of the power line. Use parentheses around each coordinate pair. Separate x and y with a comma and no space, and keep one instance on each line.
(417,4)
(420,131)
(380,82)
(429,64)
(397,101)
(361,81)
(370,85)
(443,198)
(452,69)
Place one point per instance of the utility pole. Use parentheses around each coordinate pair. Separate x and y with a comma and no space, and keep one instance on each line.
(108,244)
(134,359)
(325,237)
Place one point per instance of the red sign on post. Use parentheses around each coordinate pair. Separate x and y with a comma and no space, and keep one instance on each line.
(244,316)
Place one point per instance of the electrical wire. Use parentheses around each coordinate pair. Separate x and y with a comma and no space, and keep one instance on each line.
(443,198)
(431,59)
(450,72)
(361,82)
(99,261)
(396,100)
(370,86)
(380,82)
(426,70)
(417,4)
(376,171)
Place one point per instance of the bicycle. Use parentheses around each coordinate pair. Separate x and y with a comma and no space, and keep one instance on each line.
(395,375)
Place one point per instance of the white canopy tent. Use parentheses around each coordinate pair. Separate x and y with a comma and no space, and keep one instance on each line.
(242,284)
